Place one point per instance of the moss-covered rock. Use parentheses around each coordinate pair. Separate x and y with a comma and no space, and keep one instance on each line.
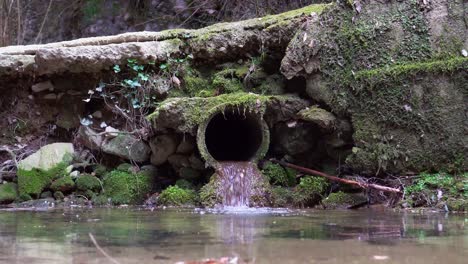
(321,117)
(341,200)
(8,193)
(391,71)
(88,182)
(37,171)
(177,196)
(33,182)
(458,205)
(209,196)
(58,195)
(282,196)
(127,188)
(64,184)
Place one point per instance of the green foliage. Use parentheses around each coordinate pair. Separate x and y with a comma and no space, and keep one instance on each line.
(8,192)
(313,185)
(309,191)
(424,189)
(278,175)
(88,182)
(126,188)
(34,181)
(177,196)
(63,184)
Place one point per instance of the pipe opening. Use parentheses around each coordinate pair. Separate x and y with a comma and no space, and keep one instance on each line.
(234,136)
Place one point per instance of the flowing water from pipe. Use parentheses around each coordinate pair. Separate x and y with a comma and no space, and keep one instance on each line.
(237,178)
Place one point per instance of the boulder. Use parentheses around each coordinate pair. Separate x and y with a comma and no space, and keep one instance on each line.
(179,161)
(321,117)
(48,157)
(90,138)
(127,147)
(42,86)
(187,145)
(162,147)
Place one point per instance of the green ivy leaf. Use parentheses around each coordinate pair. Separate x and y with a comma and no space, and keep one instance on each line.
(116,68)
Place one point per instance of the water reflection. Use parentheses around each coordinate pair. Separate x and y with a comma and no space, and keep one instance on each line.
(139,236)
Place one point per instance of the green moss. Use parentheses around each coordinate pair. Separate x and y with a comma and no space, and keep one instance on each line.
(227,81)
(177,196)
(126,188)
(88,182)
(64,184)
(309,191)
(196,110)
(33,182)
(458,205)
(208,193)
(124,167)
(8,192)
(278,175)
(282,197)
(342,200)
(392,73)
(23,197)
(197,85)
(100,170)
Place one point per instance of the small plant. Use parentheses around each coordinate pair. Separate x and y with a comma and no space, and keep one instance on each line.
(133,91)
(177,196)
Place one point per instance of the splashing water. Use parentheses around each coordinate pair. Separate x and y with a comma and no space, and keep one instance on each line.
(237,180)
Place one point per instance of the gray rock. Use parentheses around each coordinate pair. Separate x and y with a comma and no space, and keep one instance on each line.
(48,157)
(196,162)
(187,145)
(38,204)
(321,117)
(90,138)
(42,86)
(179,161)
(127,147)
(162,147)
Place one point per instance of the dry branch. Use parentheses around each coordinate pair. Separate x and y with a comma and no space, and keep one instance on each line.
(336,179)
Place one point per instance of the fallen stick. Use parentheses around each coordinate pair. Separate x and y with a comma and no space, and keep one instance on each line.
(111,259)
(336,179)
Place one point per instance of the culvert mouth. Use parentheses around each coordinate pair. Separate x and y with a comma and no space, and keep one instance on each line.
(233,134)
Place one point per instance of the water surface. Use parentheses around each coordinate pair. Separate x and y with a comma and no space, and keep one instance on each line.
(134,235)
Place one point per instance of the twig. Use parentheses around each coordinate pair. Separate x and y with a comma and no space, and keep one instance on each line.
(336,179)
(102,250)
(43,21)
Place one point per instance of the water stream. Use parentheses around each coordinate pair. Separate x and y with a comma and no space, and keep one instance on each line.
(236,180)
(136,235)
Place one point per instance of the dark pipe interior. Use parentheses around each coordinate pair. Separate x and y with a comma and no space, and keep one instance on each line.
(233,136)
